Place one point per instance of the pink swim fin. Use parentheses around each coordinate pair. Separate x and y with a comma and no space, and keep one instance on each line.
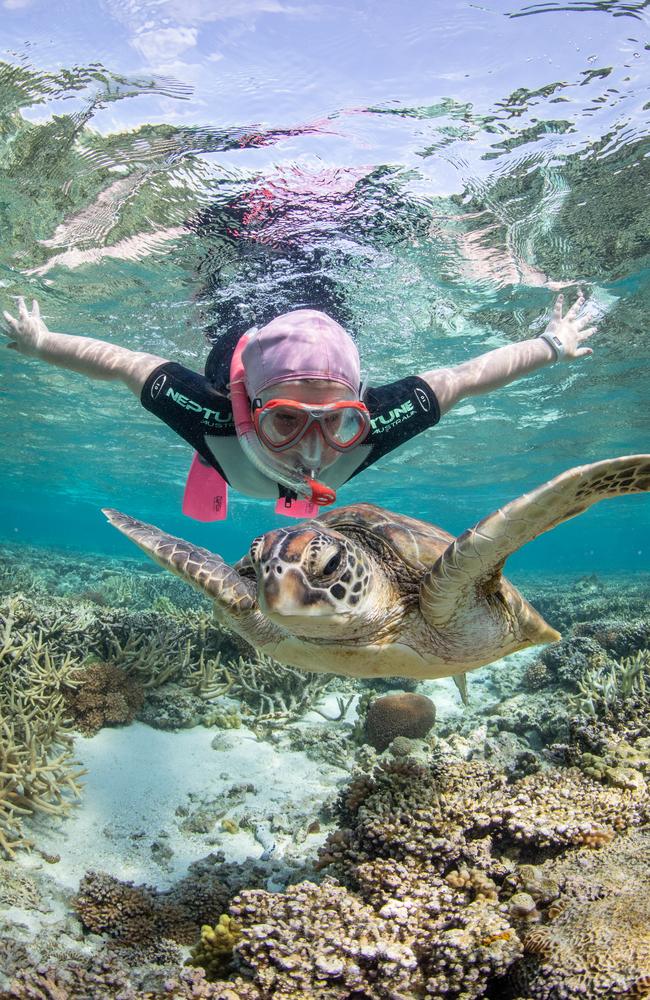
(296,508)
(206,492)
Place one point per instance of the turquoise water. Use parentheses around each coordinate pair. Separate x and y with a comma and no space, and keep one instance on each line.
(167,172)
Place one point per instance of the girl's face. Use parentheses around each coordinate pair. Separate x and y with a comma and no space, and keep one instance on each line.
(312,453)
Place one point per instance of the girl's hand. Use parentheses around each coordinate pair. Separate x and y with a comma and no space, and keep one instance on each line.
(572,330)
(28,333)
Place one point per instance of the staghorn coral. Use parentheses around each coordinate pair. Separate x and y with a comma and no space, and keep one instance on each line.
(103,696)
(393,715)
(38,772)
(334,746)
(276,693)
(602,687)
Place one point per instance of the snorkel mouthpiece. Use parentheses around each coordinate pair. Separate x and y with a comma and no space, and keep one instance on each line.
(321,494)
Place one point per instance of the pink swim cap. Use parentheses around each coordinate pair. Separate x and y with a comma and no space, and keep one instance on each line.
(304,343)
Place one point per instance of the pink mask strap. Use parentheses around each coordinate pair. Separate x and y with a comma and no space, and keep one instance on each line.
(206,493)
(297,508)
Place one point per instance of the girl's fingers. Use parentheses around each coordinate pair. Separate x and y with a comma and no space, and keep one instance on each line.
(36,311)
(575,308)
(10,320)
(584,352)
(557,308)
(589,332)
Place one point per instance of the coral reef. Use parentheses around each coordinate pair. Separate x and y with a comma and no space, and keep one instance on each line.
(570,660)
(324,941)
(511,860)
(568,603)
(392,715)
(603,686)
(121,583)
(104,978)
(273,692)
(428,901)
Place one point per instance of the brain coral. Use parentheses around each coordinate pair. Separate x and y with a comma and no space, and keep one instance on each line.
(393,715)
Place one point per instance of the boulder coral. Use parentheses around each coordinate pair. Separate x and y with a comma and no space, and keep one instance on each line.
(403,714)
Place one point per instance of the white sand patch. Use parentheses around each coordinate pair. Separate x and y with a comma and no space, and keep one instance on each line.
(480,686)
(138,778)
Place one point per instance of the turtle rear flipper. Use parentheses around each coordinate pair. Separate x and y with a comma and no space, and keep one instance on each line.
(200,568)
(475,560)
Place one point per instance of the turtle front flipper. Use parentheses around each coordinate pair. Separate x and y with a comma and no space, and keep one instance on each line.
(200,568)
(476,558)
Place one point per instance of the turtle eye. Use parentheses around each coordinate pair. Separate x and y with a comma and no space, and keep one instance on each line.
(332,564)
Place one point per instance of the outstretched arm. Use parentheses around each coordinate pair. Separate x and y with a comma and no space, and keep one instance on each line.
(94,358)
(506,364)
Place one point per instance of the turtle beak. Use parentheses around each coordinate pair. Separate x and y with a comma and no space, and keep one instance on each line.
(282,594)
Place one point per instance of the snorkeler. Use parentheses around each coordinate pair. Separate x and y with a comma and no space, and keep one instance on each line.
(281,413)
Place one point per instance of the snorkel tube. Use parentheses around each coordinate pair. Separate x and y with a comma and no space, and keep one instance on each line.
(302,485)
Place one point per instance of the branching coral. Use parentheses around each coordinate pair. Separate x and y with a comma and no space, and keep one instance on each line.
(104,978)
(600,688)
(37,770)
(276,693)
(140,916)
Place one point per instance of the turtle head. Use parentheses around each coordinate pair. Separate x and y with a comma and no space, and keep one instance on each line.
(312,580)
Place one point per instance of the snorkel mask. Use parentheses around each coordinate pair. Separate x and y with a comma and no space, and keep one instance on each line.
(283,423)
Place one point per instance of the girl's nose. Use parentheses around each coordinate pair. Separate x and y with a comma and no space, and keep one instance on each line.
(312,447)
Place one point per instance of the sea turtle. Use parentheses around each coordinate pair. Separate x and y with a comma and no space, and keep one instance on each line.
(369,593)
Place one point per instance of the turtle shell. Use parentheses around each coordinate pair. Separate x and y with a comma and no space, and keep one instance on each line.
(417,543)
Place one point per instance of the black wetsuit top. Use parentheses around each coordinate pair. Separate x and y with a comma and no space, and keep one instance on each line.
(198,408)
